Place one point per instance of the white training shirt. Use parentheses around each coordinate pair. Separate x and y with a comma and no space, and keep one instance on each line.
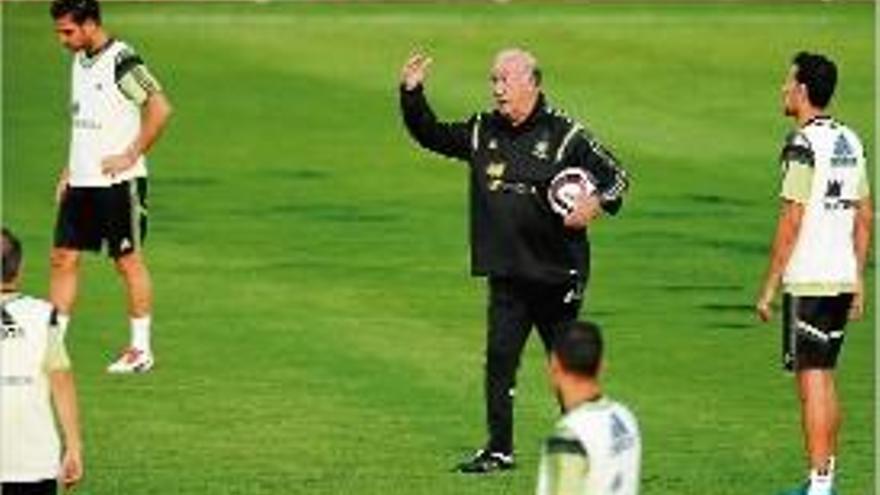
(595,450)
(108,89)
(30,349)
(824,169)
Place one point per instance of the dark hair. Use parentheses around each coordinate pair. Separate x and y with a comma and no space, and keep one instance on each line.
(579,348)
(79,10)
(818,74)
(11,256)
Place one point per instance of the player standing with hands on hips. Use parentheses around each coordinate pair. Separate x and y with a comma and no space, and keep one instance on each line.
(819,252)
(118,111)
(532,248)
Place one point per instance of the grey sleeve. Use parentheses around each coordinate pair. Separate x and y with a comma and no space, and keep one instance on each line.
(134,78)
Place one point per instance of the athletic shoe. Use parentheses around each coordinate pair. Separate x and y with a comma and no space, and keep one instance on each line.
(132,361)
(484,461)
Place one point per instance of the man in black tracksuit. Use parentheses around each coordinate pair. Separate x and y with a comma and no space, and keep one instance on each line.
(536,260)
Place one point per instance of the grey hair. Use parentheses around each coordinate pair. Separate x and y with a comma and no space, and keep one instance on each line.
(529,62)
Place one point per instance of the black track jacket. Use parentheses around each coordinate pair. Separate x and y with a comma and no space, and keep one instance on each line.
(514,233)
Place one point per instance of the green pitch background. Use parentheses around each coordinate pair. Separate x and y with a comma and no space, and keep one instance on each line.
(316,328)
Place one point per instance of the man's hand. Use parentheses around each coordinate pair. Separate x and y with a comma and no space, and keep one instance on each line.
(787,230)
(762,307)
(415,70)
(857,306)
(113,165)
(71,468)
(61,185)
(587,208)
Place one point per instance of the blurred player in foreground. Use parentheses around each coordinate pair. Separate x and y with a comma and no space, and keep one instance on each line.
(596,448)
(34,367)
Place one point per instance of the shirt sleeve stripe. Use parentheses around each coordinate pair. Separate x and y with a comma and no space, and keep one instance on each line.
(125,63)
(571,133)
(621,182)
(475,133)
(138,84)
(146,79)
(559,445)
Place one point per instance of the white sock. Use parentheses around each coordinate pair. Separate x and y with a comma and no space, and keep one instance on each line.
(140,333)
(821,483)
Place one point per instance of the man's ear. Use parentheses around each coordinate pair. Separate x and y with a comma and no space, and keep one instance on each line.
(803,93)
(89,26)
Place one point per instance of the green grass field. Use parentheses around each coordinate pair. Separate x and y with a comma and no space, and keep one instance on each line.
(316,328)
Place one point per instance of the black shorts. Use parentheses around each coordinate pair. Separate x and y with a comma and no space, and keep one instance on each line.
(89,216)
(44,487)
(515,305)
(813,330)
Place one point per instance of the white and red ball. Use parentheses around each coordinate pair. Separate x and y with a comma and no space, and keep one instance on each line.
(566,187)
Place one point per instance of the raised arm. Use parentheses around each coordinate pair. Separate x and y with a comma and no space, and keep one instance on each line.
(448,139)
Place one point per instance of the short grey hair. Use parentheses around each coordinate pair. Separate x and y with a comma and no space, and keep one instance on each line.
(523,57)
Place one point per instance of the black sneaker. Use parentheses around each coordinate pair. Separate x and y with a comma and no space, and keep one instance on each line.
(484,461)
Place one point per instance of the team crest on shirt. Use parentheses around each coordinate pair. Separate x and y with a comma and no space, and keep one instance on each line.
(843,153)
(495,171)
(842,146)
(540,150)
(493,144)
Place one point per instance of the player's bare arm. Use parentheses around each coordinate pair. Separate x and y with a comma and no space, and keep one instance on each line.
(154,116)
(61,185)
(862,242)
(64,396)
(415,70)
(787,230)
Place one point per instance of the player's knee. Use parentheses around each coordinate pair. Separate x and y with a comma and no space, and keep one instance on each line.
(63,260)
(129,264)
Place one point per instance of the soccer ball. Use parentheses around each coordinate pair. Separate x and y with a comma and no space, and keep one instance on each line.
(565,188)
